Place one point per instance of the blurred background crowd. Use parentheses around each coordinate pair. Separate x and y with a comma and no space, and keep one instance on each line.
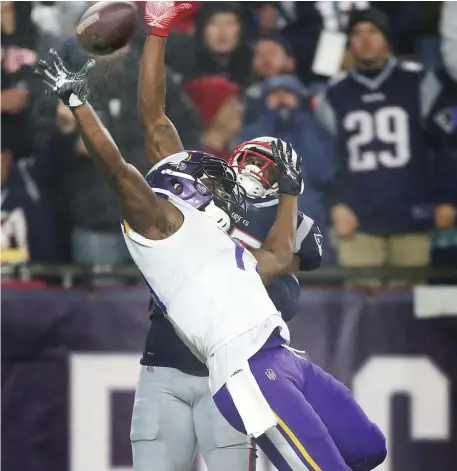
(381,185)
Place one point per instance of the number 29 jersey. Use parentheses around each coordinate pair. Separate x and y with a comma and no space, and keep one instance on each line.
(206,285)
(384,168)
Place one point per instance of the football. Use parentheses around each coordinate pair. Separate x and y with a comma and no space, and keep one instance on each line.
(107,26)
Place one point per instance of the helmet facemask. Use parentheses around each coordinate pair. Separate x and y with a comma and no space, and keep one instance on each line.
(207,183)
(256,169)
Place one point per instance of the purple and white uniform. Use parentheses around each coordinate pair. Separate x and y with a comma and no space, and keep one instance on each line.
(261,387)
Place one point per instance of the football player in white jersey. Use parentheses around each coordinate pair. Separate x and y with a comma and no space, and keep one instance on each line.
(185,258)
(188,262)
(236,339)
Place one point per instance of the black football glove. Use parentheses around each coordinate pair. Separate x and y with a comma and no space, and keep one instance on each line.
(289,165)
(70,87)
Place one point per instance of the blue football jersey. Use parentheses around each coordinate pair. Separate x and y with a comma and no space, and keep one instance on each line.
(252,227)
(379,122)
(163,346)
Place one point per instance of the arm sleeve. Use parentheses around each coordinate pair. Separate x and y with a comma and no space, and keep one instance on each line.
(308,246)
(448,31)
(284,291)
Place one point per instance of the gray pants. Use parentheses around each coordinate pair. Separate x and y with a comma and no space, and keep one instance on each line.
(174,412)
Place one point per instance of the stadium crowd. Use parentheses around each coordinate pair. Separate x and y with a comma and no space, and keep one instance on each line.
(238,70)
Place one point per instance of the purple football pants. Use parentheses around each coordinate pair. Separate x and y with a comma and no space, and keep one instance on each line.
(320,425)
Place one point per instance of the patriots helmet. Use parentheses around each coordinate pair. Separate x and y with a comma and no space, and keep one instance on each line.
(204,181)
(254,163)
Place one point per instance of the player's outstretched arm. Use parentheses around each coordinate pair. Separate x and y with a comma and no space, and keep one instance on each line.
(144,211)
(161,136)
(276,257)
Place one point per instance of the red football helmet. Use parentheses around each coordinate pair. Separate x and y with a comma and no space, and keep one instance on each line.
(251,160)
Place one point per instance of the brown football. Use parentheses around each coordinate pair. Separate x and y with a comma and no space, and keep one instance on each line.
(107,26)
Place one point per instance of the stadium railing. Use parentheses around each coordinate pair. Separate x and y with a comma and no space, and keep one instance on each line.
(69,275)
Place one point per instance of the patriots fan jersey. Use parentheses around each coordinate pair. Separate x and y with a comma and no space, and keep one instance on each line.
(163,346)
(384,172)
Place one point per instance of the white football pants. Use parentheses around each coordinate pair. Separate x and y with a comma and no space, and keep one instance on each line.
(174,412)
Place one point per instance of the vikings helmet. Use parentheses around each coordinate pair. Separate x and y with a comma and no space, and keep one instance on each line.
(251,159)
(206,182)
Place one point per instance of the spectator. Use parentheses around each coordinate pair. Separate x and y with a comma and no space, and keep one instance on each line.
(271,57)
(58,18)
(316,36)
(287,115)
(26,221)
(221,112)
(219,48)
(19,37)
(448,30)
(263,18)
(444,235)
(85,203)
(382,199)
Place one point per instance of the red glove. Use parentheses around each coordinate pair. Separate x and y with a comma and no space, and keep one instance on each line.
(160,14)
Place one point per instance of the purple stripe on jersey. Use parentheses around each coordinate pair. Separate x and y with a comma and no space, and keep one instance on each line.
(154,296)
(239,251)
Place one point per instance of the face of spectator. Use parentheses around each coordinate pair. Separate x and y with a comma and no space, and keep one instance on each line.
(7,161)
(270,59)
(222,33)
(230,117)
(7,6)
(368,45)
(281,98)
(268,15)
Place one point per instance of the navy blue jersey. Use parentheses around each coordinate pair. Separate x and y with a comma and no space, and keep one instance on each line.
(163,346)
(252,227)
(384,161)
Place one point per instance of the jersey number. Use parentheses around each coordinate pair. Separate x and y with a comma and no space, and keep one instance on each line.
(389,126)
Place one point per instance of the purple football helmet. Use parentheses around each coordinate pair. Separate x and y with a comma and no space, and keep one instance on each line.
(204,181)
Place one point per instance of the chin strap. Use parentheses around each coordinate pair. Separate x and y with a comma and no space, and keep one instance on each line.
(219,216)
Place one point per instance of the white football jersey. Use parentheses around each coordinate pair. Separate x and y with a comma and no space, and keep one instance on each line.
(206,284)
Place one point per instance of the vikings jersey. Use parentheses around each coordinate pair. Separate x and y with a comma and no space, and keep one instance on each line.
(163,346)
(188,274)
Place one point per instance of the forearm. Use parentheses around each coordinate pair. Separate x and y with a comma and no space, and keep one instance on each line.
(281,238)
(98,141)
(151,82)
(162,139)
(276,257)
(140,207)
